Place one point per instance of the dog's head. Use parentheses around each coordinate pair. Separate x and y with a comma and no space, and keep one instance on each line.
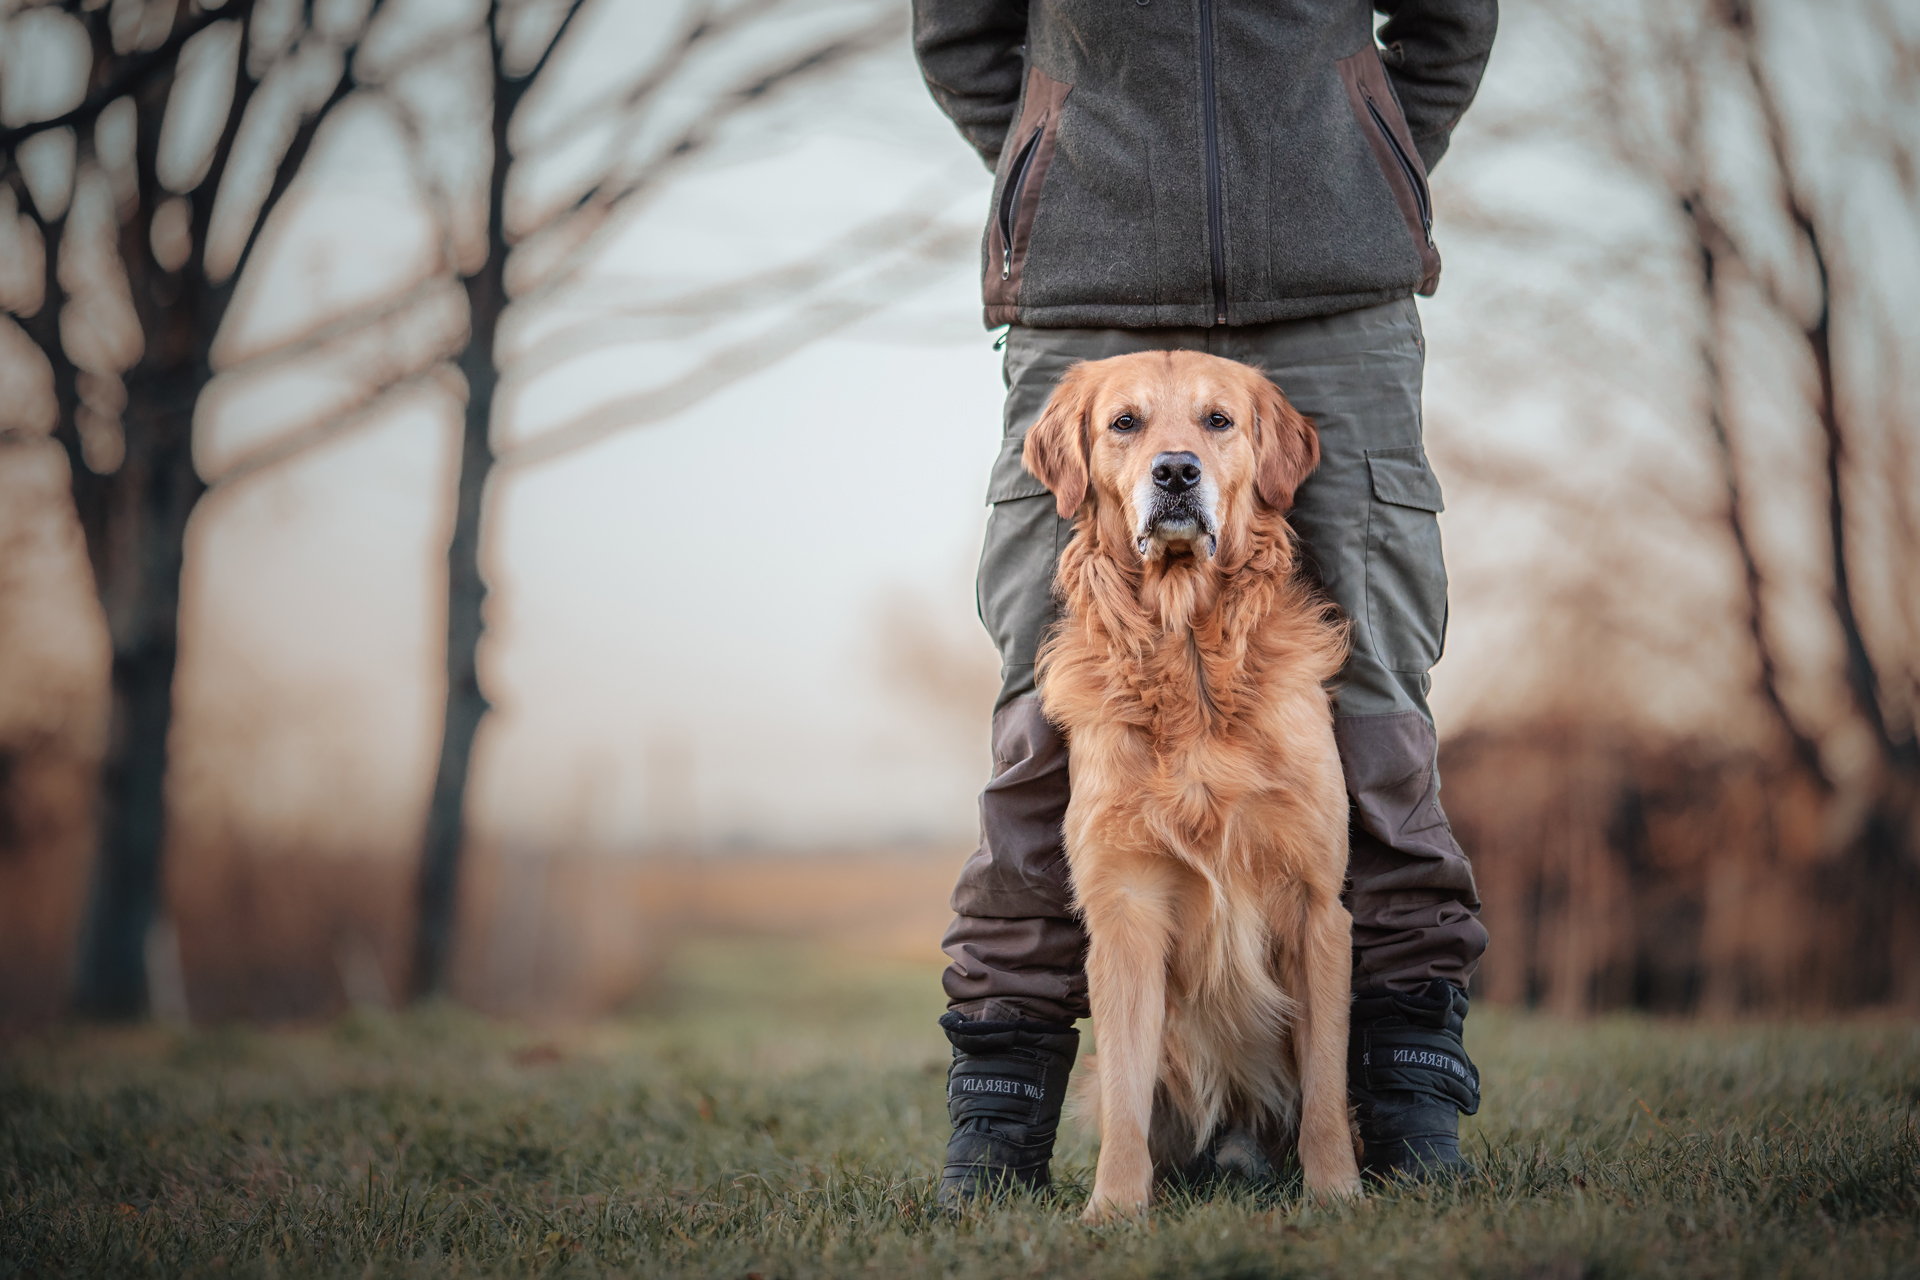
(1175,448)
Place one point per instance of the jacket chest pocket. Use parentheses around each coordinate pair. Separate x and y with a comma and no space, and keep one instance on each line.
(1381,123)
(1016,200)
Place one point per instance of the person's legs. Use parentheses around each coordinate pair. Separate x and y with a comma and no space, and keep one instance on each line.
(1367,523)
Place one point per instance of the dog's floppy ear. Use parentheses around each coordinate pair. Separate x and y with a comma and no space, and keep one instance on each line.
(1056,448)
(1286,448)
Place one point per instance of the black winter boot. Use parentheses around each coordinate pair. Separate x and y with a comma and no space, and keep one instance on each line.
(1004,1092)
(1411,1077)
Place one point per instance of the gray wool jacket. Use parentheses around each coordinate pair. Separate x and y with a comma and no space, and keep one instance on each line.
(1201,162)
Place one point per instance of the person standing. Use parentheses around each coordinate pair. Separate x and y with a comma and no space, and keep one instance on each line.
(1246,178)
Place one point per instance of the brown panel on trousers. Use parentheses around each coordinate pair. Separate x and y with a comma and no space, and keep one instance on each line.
(1409,885)
(1014,935)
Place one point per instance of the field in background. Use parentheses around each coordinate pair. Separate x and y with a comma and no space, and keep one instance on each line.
(776,1109)
(277,936)
(1610,879)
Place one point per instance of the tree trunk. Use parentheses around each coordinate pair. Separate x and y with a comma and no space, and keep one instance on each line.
(136,524)
(467,705)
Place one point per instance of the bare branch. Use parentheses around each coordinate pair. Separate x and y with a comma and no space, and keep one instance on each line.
(1862,676)
(133,72)
(595,207)
(312,341)
(290,161)
(414,140)
(734,363)
(553,43)
(301,439)
(207,194)
(686,313)
(1713,250)
(700,26)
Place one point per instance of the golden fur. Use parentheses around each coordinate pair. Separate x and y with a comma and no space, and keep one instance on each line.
(1207,833)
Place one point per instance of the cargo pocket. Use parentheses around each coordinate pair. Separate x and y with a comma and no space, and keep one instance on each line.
(1016,196)
(1406,573)
(1014,589)
(1385,128)
(1010,478)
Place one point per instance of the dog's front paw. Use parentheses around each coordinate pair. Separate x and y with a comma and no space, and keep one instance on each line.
(1334,1190)
(1105,1207)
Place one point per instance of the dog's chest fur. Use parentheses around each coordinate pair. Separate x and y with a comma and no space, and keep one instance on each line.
(1193,686)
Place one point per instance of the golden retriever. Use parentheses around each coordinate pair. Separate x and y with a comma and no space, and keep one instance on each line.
(1207,832)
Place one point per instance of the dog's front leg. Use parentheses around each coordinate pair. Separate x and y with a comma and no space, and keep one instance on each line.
(1326,1144)
(1128,927)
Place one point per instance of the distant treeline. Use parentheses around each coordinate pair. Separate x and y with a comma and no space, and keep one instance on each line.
(1679,878)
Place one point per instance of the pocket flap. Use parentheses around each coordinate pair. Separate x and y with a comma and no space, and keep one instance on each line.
(1402,477)
(1010,478)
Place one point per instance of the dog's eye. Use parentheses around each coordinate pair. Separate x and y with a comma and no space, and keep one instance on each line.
(1123,423)
(1219,421)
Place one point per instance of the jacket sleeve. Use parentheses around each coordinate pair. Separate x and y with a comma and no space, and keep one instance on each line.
(970,54)
(1435,53)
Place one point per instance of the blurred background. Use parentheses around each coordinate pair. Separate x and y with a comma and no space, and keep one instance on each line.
(489,491)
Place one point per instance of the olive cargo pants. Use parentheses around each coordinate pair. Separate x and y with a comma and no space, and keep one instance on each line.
(1366,521)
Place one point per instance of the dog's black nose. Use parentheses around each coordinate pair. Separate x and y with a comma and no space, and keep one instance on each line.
(1176,472)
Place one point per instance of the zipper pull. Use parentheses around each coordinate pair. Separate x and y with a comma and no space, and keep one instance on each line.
(1006,262)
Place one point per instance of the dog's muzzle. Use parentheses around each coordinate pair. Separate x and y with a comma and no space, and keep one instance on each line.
(1176,500)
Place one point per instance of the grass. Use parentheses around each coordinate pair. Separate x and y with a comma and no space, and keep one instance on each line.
(779,1113)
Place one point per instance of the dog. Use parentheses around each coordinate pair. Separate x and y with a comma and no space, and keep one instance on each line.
(1207,831)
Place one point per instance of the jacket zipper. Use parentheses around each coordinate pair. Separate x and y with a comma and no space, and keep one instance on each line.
(1216,232)
(1010,199)
(1420,196)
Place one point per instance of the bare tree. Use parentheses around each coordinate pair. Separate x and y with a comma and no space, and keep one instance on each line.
(1805,308)
(567,235)
(1766,211)
(142,239)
